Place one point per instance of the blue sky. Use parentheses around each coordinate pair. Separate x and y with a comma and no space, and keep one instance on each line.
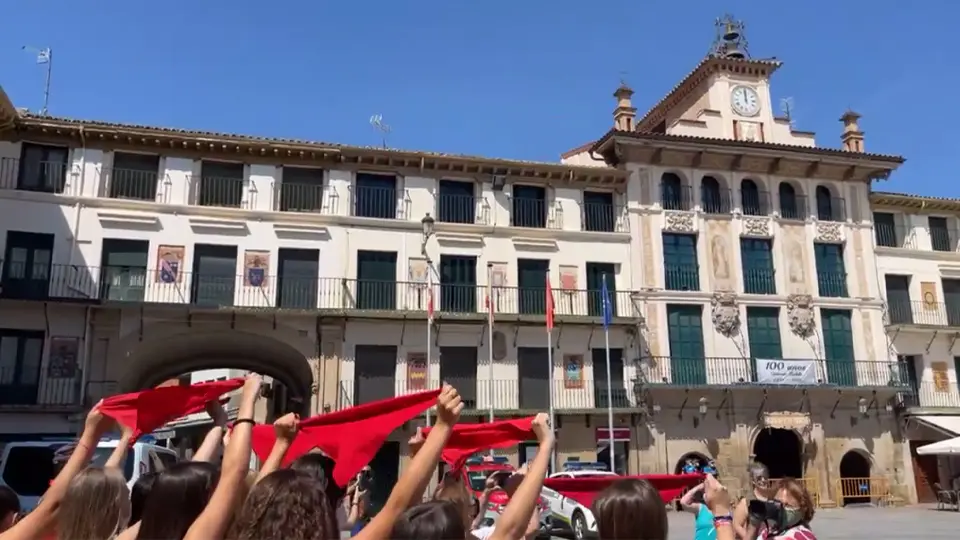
(516,79)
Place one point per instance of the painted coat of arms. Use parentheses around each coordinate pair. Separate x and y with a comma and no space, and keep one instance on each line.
(256,264)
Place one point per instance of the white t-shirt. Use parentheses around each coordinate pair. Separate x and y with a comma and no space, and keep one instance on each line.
(483,533)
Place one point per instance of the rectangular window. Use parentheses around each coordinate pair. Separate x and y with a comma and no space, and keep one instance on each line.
(298,278)
(681,267)
(214,275)
(43,168)
(951,300)
(618,389)
(831,271)
(899,307)
(596,273)
(377,280)
(838,348)
(375,196)
(685,332)
(532,285)
(529,207)
(458,367)
(456,202)
(123,269)
(458,284)
(221,184)
(27,266)
(534,378)
(301,190)
(940,237)
(21,355)
(598,211)
(757,260)
(375,368)
(885,229)
(763,333)
(133,176)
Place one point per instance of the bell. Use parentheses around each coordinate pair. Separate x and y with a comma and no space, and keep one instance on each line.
(734,52)
(731,32)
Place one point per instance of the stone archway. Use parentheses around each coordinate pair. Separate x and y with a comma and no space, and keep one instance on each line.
(855,468)
(702,458)
(781,451)
(171,354)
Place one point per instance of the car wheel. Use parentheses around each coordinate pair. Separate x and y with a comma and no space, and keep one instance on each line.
(579,526)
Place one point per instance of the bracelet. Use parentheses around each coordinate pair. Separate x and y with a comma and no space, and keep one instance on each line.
(239,421)
(722,519)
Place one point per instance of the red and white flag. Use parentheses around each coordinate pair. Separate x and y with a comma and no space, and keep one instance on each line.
(430,303)
(549,304)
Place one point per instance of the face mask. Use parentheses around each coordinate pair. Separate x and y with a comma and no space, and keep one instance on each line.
(791,517)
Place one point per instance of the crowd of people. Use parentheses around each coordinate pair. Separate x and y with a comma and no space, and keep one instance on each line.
(198,500)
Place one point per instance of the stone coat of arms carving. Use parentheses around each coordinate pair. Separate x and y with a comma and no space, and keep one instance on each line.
(726,313)
(679,222)
(800,315)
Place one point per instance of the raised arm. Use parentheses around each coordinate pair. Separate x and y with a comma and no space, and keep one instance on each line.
(212,523)
(285,428)
(214,439)
(514,521)
(687,502)
(119,454)
(417,475)
(39,522)
(740,519)
(717,500)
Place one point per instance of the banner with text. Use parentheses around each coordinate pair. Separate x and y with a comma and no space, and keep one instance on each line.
(787,372)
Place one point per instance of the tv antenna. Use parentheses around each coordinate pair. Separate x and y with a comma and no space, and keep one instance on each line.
(377,122)
(787,108)
(45,58)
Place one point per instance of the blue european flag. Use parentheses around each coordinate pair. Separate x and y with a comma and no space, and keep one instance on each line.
(607,306)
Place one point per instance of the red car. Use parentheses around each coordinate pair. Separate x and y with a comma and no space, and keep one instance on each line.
(477,470)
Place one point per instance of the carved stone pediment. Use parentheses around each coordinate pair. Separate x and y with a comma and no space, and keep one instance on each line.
(726,313)
(830,232)
(800,315)
(756,227)
(681,222)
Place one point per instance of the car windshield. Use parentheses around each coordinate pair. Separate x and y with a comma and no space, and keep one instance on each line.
(28,470)
(477,479)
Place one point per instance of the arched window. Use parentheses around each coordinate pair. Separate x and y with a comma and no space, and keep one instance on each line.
(672,193)
(789,204)
(712,197)
(750,198)
(824,204)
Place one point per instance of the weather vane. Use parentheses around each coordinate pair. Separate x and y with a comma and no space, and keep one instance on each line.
(45,58)
(377,122)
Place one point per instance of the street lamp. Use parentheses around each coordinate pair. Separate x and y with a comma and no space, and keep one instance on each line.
(703,406)
(427,224)
(862,406)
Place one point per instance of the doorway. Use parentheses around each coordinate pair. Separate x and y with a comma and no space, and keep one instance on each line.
(781,451)
(925,472)
(855,478)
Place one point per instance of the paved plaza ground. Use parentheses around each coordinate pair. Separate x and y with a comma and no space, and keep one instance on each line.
(861,523)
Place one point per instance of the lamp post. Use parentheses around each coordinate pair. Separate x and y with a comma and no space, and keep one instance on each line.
(862,406)
(704,403)
(427,224)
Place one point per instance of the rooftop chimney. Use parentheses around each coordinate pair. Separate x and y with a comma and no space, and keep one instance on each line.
(624,116)
(852,137)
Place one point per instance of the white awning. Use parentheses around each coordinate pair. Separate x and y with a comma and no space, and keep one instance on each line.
(949,446)
(949,425)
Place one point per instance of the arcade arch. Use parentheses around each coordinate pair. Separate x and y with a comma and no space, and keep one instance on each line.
(678,468)
(168,354)
(781,451)
(855,467)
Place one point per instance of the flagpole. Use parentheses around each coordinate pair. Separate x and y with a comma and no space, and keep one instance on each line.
(553,420)
(607,313)
(429,328)
(490,342)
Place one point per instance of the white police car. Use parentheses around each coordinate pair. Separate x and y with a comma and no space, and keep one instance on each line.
(568,513)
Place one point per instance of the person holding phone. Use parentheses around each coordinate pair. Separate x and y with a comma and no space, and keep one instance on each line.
(693,502)
(359,500)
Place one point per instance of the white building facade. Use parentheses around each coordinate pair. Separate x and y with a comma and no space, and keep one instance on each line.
(919,267)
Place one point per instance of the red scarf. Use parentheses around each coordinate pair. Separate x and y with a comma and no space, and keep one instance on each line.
(468,439)
(350,437)
(148,410)
(583,490)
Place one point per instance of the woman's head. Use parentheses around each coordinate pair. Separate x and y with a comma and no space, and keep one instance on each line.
(630,509)
(138,495)
(286,504)
(9,508)
(759,476)
(434,520)
(453,490)
(177,497)
(796,501)
(320,467)
(96,506)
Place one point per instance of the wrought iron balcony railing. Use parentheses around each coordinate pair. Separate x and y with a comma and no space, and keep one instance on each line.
(536,213)
(306,198)
(832,209)
(755,202)
(141,185)
(682,277)
(604,218)
(832,284)
(920,313)
(934,395)
(676,197)
(677,371)
(793,207)
(716,201)
(760,281)
(140,285)
(40,176)
(219,191)
(455,208)
(895,236)
(21,389)
(380,202)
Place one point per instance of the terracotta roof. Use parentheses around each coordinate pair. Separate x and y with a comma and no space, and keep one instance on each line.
(693,79)
(660,137)
(209,139)
(578,150)
(917,202)
(8,113)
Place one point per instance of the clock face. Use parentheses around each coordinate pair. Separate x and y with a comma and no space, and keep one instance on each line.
(745,101)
